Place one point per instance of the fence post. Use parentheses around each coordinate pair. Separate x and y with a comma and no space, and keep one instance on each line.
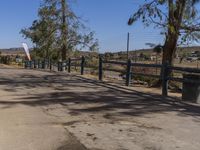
(165,79)
(31,64)
(50,65)
(100,68)
(47,63)
(36,64)
(25,64)
(43,64)
(59,65)
(40,64)
(63,65)
(82,65)
(128,73)
(28,64)
(69,65)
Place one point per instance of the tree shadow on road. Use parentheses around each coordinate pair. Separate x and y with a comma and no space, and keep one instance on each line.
(91,96)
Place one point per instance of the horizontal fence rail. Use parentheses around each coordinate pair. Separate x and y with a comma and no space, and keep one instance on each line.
(184,80)
(146,65)
(147,75)
(184,69)
(115,62)
(164,76)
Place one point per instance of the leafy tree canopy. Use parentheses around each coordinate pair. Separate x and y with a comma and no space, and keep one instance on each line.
(58,31)
(179,16)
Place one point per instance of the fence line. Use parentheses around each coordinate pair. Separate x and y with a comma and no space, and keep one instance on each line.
(164,76)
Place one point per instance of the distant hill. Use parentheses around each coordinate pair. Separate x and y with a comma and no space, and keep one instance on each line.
(150,50)
(20,51)
(12,51)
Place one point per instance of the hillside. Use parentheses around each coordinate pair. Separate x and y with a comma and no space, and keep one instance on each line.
(12,51)
(20,51)
(150,51)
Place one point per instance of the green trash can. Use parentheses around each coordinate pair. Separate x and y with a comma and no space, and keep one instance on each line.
(191,91)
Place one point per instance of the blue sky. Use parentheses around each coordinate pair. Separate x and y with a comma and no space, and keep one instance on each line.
(107,18)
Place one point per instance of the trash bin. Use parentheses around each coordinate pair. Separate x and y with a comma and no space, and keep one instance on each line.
(191,91)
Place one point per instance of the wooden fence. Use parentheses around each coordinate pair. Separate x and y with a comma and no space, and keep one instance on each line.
(165,69)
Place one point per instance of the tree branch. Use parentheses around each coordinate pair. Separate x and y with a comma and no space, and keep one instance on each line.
(191,28)
(157,23)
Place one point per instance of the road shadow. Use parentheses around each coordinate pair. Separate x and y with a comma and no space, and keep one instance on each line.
(113,99)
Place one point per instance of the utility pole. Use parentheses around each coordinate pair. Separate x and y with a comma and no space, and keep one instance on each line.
(128,38)
(135,56)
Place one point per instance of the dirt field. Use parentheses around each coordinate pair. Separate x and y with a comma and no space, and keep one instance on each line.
(47,111)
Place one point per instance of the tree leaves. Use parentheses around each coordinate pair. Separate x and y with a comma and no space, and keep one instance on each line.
(157,13)
(47,31)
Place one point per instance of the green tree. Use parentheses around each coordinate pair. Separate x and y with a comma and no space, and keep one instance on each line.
(59,30)
(42,32)
(178,20)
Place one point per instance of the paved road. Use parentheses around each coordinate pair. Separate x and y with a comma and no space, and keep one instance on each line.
(24,124)
(50,111)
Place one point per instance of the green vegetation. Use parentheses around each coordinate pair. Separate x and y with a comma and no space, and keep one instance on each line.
(58,32)
(178,20)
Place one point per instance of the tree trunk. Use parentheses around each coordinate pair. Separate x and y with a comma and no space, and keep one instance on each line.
(64,31)
(169,49)
(175,20)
